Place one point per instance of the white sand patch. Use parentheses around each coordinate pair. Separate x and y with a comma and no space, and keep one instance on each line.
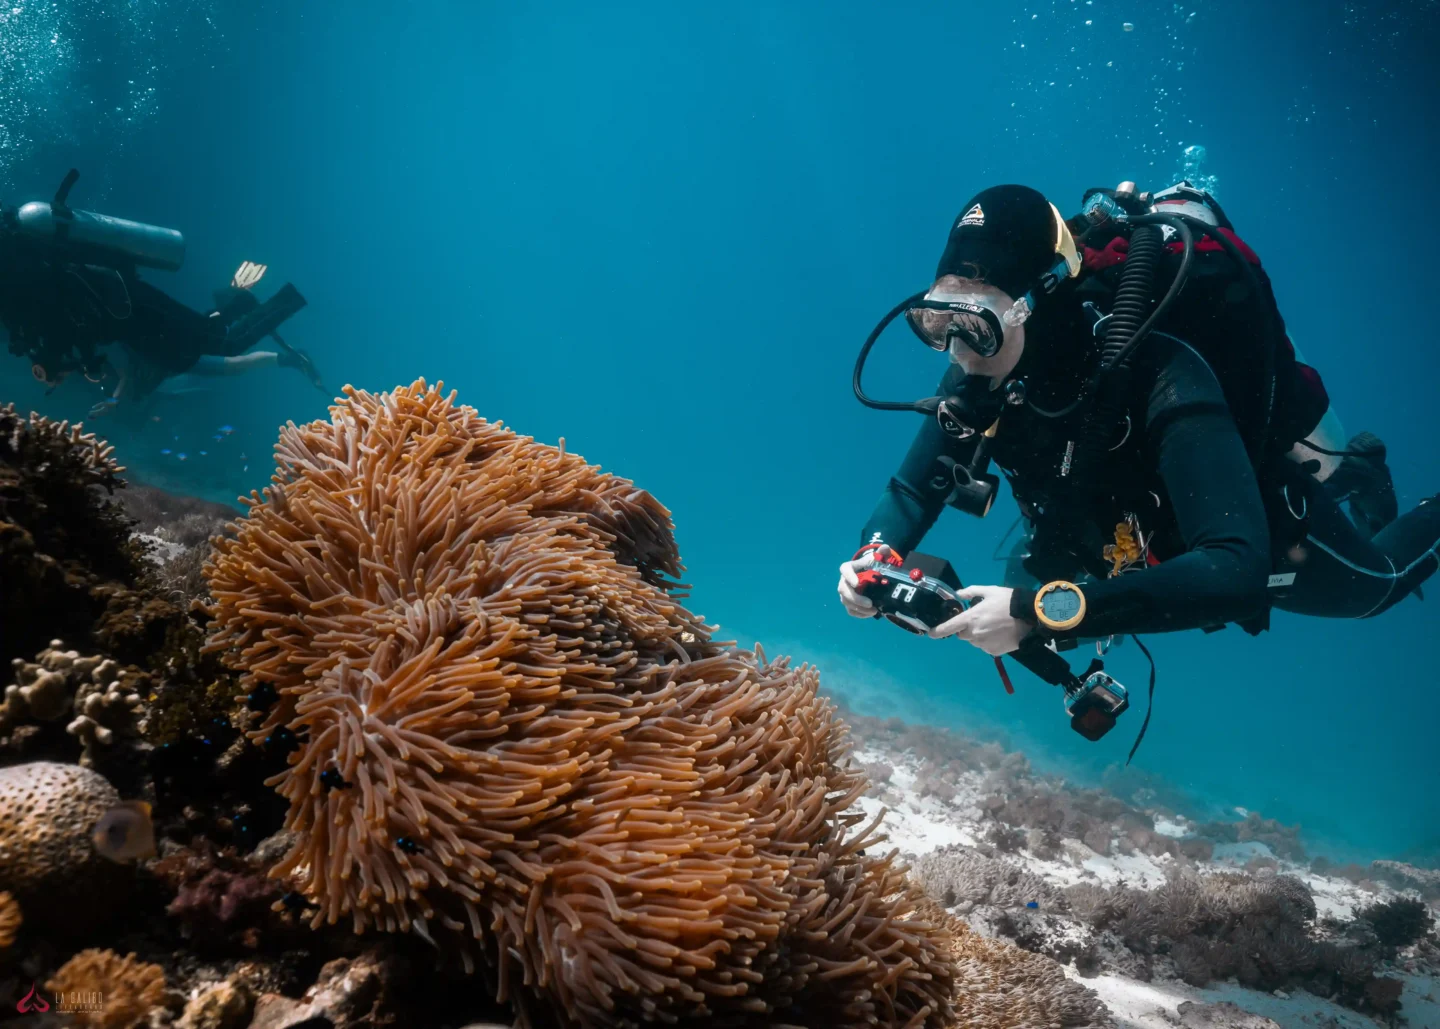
(1138,1005)
(160,550)
(950,813)
(1240,853)
(1338,898)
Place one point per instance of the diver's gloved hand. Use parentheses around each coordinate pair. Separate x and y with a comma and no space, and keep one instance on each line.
(987,622)
(1364,479)
(856,603)
(294,357)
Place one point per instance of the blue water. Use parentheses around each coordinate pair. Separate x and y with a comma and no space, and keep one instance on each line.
(661,231)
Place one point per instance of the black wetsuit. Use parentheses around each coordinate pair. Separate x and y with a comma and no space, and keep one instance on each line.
(1222,541)
(60,313)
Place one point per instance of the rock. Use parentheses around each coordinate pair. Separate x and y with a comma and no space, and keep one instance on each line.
(1224,1015)
(271,849)
(350,994)
(222,1006)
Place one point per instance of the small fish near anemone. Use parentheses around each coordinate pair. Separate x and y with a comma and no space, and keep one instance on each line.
(125,833)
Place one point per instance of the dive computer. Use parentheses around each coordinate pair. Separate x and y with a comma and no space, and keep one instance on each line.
(1059,606)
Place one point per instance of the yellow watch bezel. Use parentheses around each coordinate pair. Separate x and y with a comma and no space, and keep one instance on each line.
(1068,623)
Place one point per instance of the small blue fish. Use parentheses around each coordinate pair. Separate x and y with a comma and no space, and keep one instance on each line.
(166,451)
(204,454)
(1032,905)
(226,429)
(218,437)
(181,455)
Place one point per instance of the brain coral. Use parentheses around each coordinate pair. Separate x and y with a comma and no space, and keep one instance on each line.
(47,859)
(509,730)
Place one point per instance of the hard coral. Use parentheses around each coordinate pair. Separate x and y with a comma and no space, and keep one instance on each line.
(1001,987)
(100,706)
(113,992)
(508,728)
(47,859)
(957,874)
(1400,921)
(59,540)
(10,920)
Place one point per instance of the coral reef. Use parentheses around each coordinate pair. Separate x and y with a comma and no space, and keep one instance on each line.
(47,812)
(1398,922)
(221,901)
(1283,840)
(106,990)
(505,727)
(10,920)
(1002,986)
(63,549)
(1408,877)
(1257,929)
(959,875)
(60,683)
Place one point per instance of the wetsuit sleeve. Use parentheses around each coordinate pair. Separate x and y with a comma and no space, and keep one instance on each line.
(1197,450)
(916,494)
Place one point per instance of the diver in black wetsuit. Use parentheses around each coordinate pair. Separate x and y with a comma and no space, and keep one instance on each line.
(1174,485)
(69,286)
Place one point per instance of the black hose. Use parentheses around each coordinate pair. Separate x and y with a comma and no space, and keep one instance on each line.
(1114,359)
(1248,270)
(884,405)
(1187,238)
(1122,334)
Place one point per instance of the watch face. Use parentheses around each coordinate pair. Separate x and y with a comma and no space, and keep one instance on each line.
(1060,605)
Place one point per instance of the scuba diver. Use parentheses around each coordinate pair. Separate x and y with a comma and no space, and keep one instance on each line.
(1175,462)
(137,377)
(69,285)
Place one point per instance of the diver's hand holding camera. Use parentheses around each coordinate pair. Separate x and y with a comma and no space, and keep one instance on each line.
(986,622)
(856,603)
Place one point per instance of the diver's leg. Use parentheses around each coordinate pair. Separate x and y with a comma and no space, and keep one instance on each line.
(213,366)
(1338,573)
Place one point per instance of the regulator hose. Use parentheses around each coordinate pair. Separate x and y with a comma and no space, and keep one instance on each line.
(1124,331)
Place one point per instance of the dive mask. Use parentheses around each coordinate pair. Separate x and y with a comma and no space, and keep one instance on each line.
(941,318)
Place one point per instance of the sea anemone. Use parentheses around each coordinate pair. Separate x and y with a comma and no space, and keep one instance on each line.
(506,727)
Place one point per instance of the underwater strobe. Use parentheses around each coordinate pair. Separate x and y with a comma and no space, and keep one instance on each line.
(918,592)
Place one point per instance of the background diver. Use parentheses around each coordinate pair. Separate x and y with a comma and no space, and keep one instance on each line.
(1170,480)
(70,286)
(137,377)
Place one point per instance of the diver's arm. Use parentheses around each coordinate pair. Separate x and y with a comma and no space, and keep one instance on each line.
(915,496)
(1222,576)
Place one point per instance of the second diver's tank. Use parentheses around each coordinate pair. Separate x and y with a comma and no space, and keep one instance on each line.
(102,235)
(97,238)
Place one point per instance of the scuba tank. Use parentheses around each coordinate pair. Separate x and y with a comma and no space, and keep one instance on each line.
(97,237)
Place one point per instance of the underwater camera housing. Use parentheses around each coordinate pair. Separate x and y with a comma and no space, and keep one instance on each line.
(1095,706)
(917,593)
